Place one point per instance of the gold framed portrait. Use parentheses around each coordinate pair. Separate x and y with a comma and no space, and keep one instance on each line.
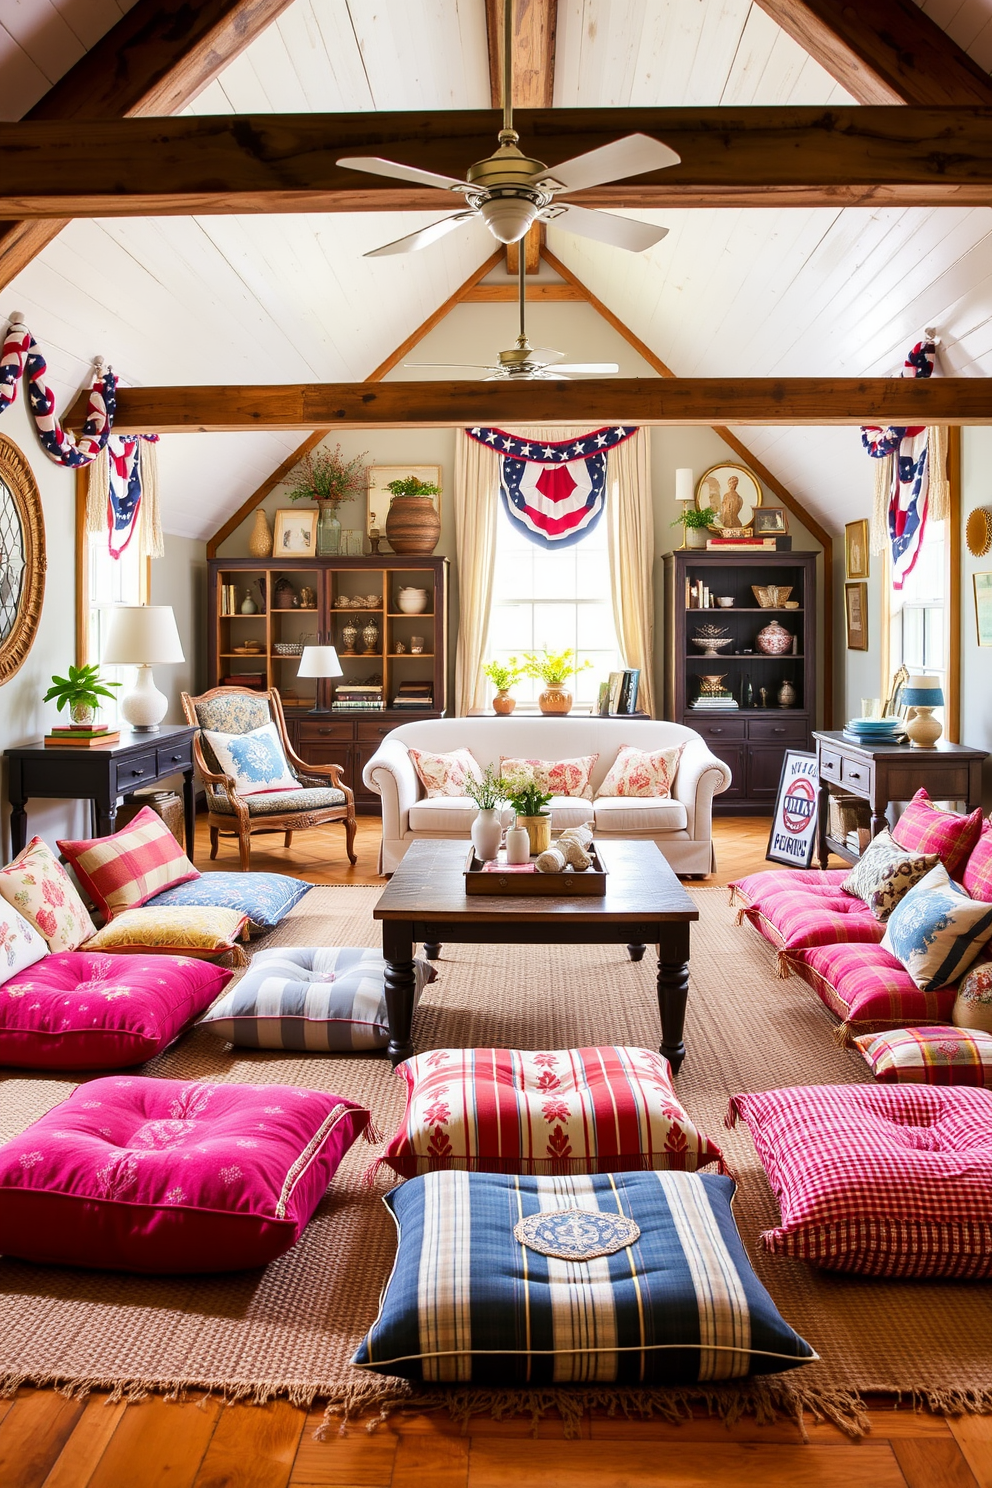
(856,612)
(733,492)
(856,557)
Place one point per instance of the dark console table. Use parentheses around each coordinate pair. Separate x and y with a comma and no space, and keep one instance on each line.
(893,772)
(102,775)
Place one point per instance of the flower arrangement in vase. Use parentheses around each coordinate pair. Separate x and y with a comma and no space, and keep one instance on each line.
(503,676)
(554,668)
(489,792)
(326,477)
(528,803)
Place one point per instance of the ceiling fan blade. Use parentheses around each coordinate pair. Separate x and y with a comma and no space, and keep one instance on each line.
(447,366)
(546,375)
(423,237)
(630,156)
(546,353)
(376,166)
(602,369)
(621,232)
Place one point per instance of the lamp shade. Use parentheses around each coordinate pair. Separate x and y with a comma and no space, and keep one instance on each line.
(684,485)
(320,661)
(142,635)
(922,692)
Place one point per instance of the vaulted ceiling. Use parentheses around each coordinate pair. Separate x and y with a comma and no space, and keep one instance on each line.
(290,298)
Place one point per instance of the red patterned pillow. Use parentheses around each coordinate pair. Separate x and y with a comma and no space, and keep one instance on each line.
(445,774)
(926,828)
(126,869)
(868,988)
(642,772)
(885,1180)
(977,877)
(570,777)
(599,1110)
(942,1055)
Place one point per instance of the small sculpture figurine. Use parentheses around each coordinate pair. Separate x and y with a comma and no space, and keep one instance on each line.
(763,694)
(308,598)
(375,536)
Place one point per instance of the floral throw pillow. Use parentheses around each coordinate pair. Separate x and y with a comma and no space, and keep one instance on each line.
(885,872)
(39,888)
(569,777)
(973,1005)
(445,774)
(640,772)
(936,931)
(256,760)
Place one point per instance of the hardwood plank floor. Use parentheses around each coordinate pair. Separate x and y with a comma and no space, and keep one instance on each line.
(47,1441)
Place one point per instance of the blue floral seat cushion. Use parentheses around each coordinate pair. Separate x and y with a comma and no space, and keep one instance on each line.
(308,798)
(469,1301)
(266,898)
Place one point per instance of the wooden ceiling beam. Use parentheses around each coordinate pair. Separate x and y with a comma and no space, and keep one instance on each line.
(287,162)
(156,59)
(883,51)
(535,31)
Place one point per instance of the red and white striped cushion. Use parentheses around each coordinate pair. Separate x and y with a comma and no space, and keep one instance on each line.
(596,1110)
(128,868)
(885,1180)
(869,988)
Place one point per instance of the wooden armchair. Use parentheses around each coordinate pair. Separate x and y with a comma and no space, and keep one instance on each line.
(322,797)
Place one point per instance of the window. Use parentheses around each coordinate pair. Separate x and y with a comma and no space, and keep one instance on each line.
(918,612)
(110,582)
(545,600)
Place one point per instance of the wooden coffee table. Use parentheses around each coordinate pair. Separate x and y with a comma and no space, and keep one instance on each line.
(425,901)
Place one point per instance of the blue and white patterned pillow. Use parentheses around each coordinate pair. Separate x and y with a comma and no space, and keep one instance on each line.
(320,999)
(256,760)
(266,898)
(467,1301)
(937,930)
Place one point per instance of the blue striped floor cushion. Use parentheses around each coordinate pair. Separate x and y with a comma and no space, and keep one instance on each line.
(319,998)
(266,898)
(470,1301)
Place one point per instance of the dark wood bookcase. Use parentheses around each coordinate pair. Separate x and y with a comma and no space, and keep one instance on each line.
(752,741)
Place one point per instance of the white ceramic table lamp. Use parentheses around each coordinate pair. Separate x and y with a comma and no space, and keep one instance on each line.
(319,662)
(143,636)
(924,694)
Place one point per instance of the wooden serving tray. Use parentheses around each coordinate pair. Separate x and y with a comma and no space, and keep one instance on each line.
(590,883)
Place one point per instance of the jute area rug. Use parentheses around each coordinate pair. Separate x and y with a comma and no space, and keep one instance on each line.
(290,1329)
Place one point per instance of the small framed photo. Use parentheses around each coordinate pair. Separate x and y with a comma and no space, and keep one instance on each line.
(856,609)
(983,607)
(769,521)
(295,534)
(856,549)
(793,834)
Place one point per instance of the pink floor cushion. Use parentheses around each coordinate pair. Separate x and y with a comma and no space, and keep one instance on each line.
(885,1180)
(794,919)
(940,1055)
(926,828)
(869,988)
(810,880)
(161,1176)
(83,1010)
(597,1110)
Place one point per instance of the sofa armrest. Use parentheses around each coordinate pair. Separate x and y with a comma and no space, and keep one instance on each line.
(391,775)
(700,777)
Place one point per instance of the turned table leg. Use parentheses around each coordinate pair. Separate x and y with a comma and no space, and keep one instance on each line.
(673,990)
(400,987)
(636,952)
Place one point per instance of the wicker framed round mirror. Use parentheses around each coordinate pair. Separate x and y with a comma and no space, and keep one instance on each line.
(22,559)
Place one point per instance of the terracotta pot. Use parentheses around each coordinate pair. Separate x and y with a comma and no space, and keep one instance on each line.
(413,525)
(260,539)
(503,703)
(538,829)
(555,698)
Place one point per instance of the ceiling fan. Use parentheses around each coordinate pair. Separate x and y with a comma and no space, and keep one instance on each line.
(509,191)
(526,363)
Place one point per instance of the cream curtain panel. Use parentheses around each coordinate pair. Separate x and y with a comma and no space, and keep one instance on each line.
(630,520)
(476,503)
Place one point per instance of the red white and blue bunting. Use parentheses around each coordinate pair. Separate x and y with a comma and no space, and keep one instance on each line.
(554,491)
(903,484)
(22,358)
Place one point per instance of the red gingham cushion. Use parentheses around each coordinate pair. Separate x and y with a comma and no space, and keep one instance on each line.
(869,988)
(598,1110)
(756,885)
(793,919)
(977,877)
(126,869)
(943,1055)
(886,1180)
(925,828)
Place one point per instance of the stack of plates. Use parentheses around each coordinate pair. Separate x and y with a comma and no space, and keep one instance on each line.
(878,731)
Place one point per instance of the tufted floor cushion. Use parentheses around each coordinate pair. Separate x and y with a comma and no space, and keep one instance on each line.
(869,988)
(795,919)
(87,1010)
(160,1176)
(885,1180)
(265,803)
(639,814)
(596,1110)
(811,880)
(673,1302)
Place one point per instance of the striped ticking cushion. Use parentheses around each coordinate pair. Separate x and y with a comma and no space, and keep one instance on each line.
(886,1180)
(311,998)
(129,867)
(596,1110)
(942,1055)
(926,828)
(468,1301)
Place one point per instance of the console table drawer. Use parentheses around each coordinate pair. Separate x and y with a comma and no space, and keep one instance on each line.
(857,774)
(131,772)
(778,730)
(313,732)
(830,764)
(730,728)
(368,732)
(173,757)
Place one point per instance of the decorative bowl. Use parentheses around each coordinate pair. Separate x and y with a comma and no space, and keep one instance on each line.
(412,601)
(724,601)
(288,648)
(712,639)
(771,596)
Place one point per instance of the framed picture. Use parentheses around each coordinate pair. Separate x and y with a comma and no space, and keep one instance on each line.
(856,607)
(983,607)
(769,521)
(379,498)
(733,493)
(856,549)
(793,834)
(295,534)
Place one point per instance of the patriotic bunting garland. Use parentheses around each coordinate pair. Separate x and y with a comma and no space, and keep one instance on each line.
(554,491)
(21,358)
(903,482)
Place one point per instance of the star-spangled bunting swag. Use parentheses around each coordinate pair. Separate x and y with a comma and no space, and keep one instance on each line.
(124,495)
(908,479)
(21,357)
(554,491)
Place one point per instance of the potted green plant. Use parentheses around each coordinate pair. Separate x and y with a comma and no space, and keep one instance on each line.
(326,477)
(554,668)
(413,524)
(529,802)
(81,691)
(694,523)
(489,794)
(503,676)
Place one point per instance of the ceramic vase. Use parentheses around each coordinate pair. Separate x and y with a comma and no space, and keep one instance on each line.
(503,703)
(413,525)
(517,844)
(555,698)
(260,540)
(349,635)
(412,601)
(695,537)
(774,639)
(487,834)
(538,829)
(922,729)
(370,638)
(248,606)
(787,695)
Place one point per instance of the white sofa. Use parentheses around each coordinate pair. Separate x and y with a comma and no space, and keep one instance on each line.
(681,825)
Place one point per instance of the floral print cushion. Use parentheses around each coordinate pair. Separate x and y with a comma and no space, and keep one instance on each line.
(445,774)
(233,713)
(20,944)
(39,888)
(639,772)
(316,798)
(569,777)
(256,760)
(973,1005)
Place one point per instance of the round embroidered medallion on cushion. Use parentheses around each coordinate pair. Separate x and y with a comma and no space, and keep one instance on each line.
(973,1004)
(576,1234)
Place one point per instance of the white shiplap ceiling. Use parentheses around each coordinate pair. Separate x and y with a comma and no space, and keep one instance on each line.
(286,299)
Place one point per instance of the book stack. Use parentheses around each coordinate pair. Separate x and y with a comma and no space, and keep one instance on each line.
(229,599)
(254,680)
(412,697)
(721,699)
(621,694)
(358,697)
(81,738)
(741,544)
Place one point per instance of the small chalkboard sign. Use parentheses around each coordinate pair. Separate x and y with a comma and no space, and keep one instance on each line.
(793,835)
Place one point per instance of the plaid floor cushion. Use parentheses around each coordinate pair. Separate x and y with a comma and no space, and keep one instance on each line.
(926,828)
(942,1055)
(793,919)
(633,1278)
(597,1110)
(754,885)
(869,989)
(885,1180)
